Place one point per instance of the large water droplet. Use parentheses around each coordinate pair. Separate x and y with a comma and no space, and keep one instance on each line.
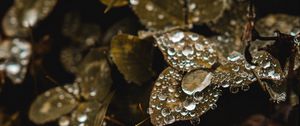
(176,37)
(165,112)
(189,104)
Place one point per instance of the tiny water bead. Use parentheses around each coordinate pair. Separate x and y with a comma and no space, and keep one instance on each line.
(186,51)
(64,121)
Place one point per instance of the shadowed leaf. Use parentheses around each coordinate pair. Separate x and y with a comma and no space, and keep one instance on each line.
(133,57)
(25,14)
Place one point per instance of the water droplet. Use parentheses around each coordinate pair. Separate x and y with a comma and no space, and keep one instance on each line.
(162,96)
(64,121)
(189,104)
(193,37)
(198,96)
(234,57)
(199,47)
(149,7)
(149,110)
(176,37)
(13,68)
(187,50)
(134,2)
(266,65)
(59,104)
(225,85)
(165,112)
(195,121)
(245,87)
(169,119)
(161,16)
(234,90)
(93,93)
(171,51)
(82,117)
(213,106)
(235,68)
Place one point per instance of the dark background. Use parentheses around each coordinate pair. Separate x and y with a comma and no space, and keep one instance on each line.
(232,108)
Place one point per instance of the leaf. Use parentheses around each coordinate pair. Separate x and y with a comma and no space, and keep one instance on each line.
(267,25)
(126,25)
(133,57)
(15,54)
(205,11)
(53,104)
(169,104)
(230,27)
(270,72)
(186,51)
(70,58)
(159,14)
(269,67)
(82,34)
(235,73)
(102,111)
(25,14)
(87,113)
(94,77)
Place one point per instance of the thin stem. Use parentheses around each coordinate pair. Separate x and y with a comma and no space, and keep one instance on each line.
(114,121)
(143,121)
(62,87)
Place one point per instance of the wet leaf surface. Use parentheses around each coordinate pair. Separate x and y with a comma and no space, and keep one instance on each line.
(186,51)
(168,103)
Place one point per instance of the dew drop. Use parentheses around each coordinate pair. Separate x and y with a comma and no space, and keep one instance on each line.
(176,37)
(198,96)
(171,51)
(169,119)
(234,90)
(165,112)
(189,104)
(149,110)
(187,50)
(64,121)
(149,7)
(82,117)
(134,2)
(234,57)
(162,96)
(245,87)
(195,121)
